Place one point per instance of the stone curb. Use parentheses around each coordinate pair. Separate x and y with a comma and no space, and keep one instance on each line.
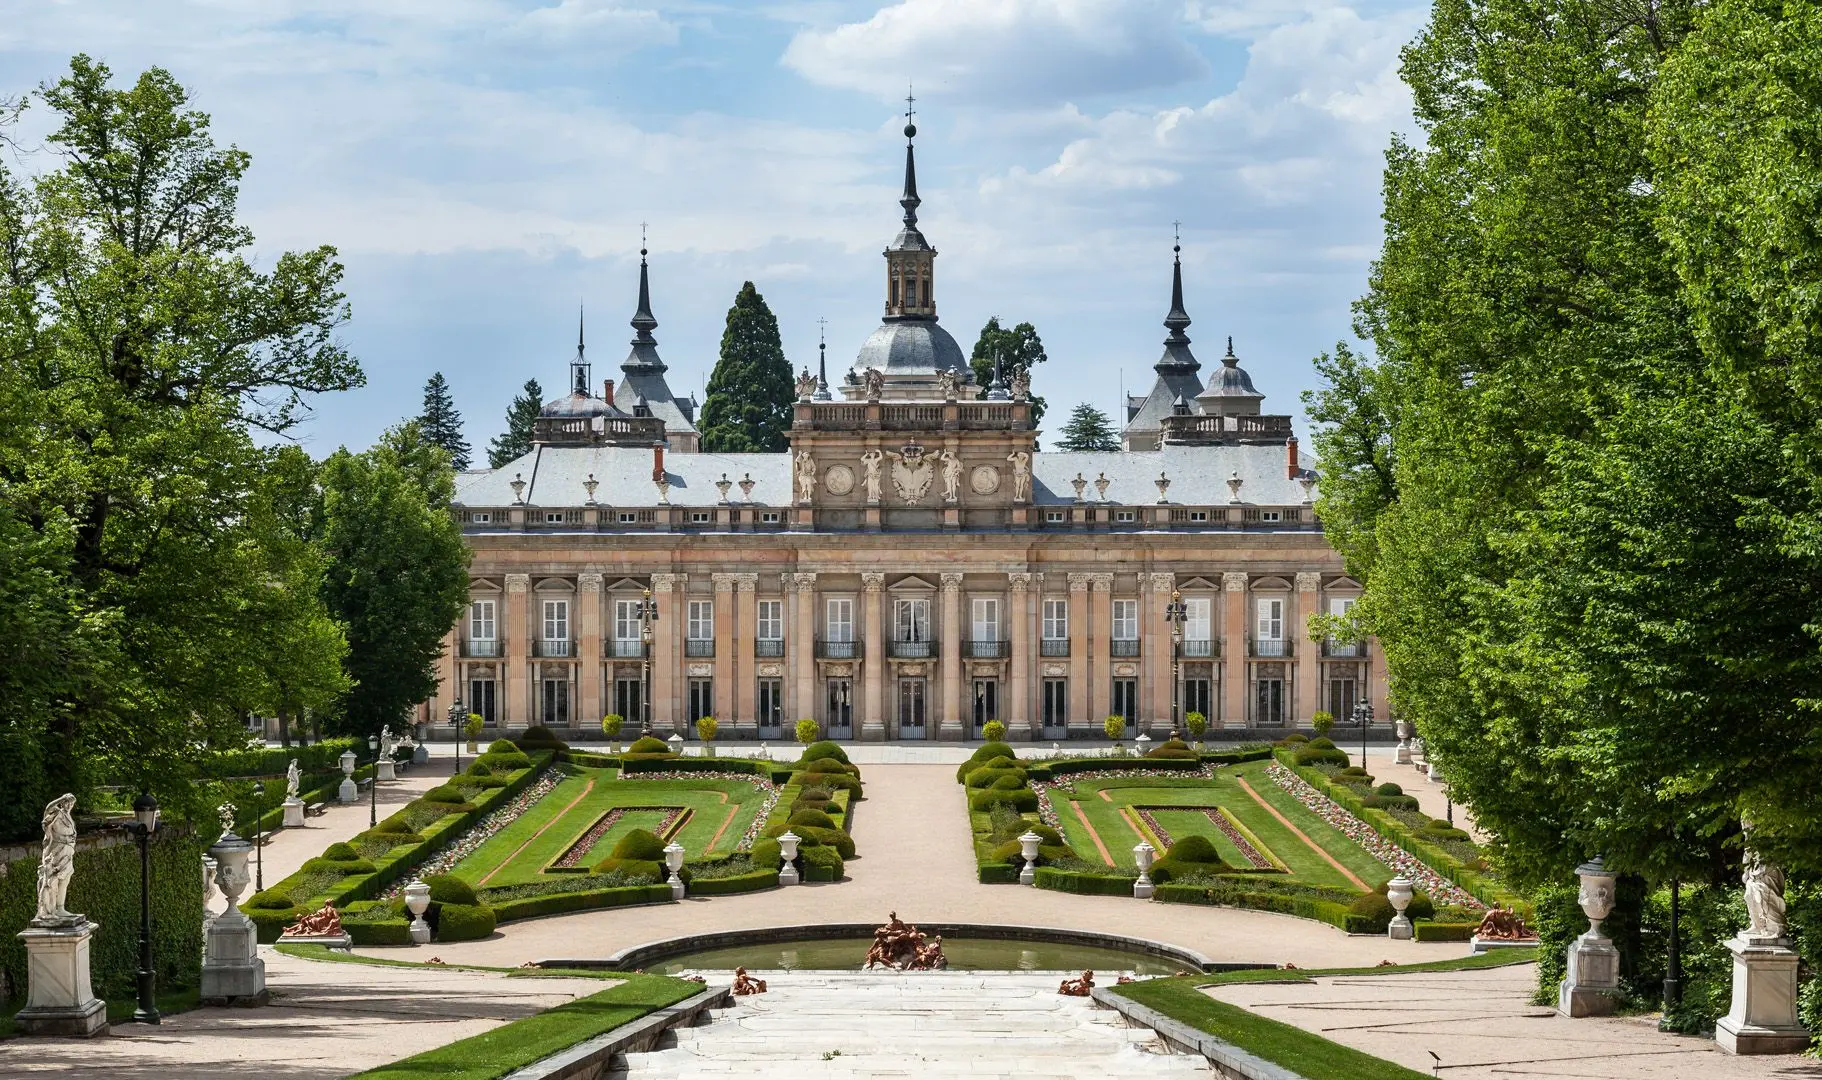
(1228,1060)
(593,1058)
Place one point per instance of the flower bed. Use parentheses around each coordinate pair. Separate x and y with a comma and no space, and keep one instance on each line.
(1440,889)
(764,783)
(577,852)
(480,832)
(1047,813)
(1220,821)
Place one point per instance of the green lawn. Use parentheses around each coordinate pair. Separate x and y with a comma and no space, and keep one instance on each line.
(1116,828)
(512,1046)
(519,852)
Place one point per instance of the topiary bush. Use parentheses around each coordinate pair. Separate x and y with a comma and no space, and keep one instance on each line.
(989,774)
(639,844)
(1388,789)
(1374,911)
(819,751)
(505,761)
(993,731)
(984,753)
(1172,748)
(538,737)
(502,746)
(1323,743)
(270,900)
(831,781)
(1193,855)
(1023,800)
(449,889)
(464,922)
(806,731)
(447,793)
(830,765)
(480,768)
(340,852)
(811,819)
(821,864)
(1390,802)
(647,744)
(1315,755)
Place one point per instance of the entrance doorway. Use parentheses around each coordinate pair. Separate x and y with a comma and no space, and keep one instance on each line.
(910,708)
(838,710)
(986,702)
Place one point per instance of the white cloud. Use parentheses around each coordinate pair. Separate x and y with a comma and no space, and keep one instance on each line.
(597,22)
(1002,51)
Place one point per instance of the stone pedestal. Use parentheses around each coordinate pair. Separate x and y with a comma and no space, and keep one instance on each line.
(1592,985)
(347,793)
(385,770)
(294,813)
(232,971)
(787,875)
(1763,1019)
(1403,756)
(60,1000)
(420,754)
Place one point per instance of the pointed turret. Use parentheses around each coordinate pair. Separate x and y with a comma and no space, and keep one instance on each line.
(1177,358)
(644,356)
(578,368)
(644,388)
(1177,382)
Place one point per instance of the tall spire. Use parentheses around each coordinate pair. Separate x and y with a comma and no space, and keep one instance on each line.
(822,362)
(578,368)
(1177,358)
(910,201)
(644,356)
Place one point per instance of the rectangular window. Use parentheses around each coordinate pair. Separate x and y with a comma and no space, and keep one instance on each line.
(1198,618)
(556,620)
(702,699)
(702,621)
(556,702)
(840,623)
(1198,515)
(629,695)
(480,621)
(1343,695)
(1125,517)
(553,517)
(1341,605)
(911,620)
(628,517)
(480,699)
(1268,708)
(481,517)
(838,711)
(626,620)
(771,620)
(1054,517)
(768,517)
(1271,515)
(1126,698)
(986,618)
(771,704)
(1126,621)
(1271,618)
(1197,697)
(986,702)
(1056,703)
(701,517)
(1056,620)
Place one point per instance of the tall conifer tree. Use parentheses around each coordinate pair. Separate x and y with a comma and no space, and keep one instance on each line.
(441,424)
(751,390)
(515,441)
(1088,429)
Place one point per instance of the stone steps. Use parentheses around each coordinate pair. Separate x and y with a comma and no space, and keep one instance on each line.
(917,1024)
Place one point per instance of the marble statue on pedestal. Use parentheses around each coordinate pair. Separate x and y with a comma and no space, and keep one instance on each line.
(1763,1014)
(59,997)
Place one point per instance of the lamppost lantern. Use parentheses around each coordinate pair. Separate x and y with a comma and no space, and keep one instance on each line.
(145,823)
(1175,613)
(648,614)
(457,713)
(373,783)
(259,851)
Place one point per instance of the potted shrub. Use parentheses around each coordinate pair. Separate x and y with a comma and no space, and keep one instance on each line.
(610,727)
(993,731)
(706,727)
(1323,721)
(1115,727)
(806,731)
(1196,724)
(472,729)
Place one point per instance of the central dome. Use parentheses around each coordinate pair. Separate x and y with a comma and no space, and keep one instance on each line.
(579,404)
(911,347)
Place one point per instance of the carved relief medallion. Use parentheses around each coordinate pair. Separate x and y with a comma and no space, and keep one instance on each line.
(984,480)
(839,480)
(770,671)
(1125,670)
(701,671)
(1056,670)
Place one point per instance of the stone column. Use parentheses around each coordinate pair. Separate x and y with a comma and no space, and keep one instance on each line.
(667,592)
(952,725)
(515,705)
(1100,649)
(1018,711)
(803,650)
(1233,649)
(873,701)
(449,679)
(1154,647)
(591,700)
(725,695)
(746,628)
(1308,672)
(1080,712)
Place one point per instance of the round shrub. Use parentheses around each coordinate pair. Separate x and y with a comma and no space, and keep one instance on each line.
(814,819)
(341,852)
(1352,772)
(396,825)
(632,869)
(482,783)
(806,837)
(502,746)
(765,853)
(805,802)
(834,838)
(447,793)
(464,922)
(1005,779)
(1375,911)
(983,753)
(822,864)
(993,731)
(639,844)
(1436,829)
(830,766)
(1023,800)
(1193,848)
(449,889)
(539,737)
(1390,802)
(1388,789)
(320,865)
(480,768)
(1295,738)
(647,744)
(1314,755)
(824,749)
(271,900)
(1323,743)
(832,781)
(505,761)
(984,776)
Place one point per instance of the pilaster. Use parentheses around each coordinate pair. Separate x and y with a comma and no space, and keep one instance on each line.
(1154,649)
(1233,649)
(590,702)
(951,724)
(746,629)
(515,704)
(667,592)
(803,651)
(725,623)
(1079,709)
(1019,713)
(1308,671)
(873,715)
(1100,648)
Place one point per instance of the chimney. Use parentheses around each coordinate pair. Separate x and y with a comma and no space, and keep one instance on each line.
(1290,457)
(607,391)
(657,462)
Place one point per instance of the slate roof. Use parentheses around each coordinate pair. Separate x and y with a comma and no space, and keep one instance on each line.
(911,347)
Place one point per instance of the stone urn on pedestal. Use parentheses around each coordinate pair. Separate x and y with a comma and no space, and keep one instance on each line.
(1399,891)
(232,971)
(1592,982)
(787,851)
(347,792)
(1028,850)
(1404,743)
(673,861)
(1763,1016)
(417,901)
(1142,855)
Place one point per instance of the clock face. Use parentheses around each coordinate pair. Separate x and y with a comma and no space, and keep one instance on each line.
(985,480)
(839,480)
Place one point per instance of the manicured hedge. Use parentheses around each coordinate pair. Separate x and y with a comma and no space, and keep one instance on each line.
(630,765)
(997,873)
(821,864)
(465,922)
(1444,931)
(1046,771)
(1335,914)
(725,886)
(272,761)
(1070,881)
(1023,800)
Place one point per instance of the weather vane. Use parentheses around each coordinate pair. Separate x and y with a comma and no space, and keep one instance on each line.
(910,112)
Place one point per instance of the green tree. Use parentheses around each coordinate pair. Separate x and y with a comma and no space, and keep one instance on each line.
(397,576)
(1352,437)
(748,408)
(1018,349)
(441,423)
(139,347)
(1088,429)
(515,441)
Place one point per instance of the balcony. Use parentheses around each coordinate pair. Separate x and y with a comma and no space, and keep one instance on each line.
(1125,647)
(563,647)
(912,650)
(699,647)
(1337,650)
(1053,647)
(839,650)
(481,647)
(768,647)
(987,650)
(624,649)
(1269,647)
(1199,648)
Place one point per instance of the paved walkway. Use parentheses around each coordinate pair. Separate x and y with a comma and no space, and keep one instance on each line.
(915,857)
(326,1020)
(1482,1026)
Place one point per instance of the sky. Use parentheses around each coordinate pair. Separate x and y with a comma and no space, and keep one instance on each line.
(484,168)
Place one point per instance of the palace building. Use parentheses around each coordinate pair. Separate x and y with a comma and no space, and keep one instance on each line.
(913,566)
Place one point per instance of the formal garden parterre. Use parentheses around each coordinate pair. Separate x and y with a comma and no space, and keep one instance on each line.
(532,828)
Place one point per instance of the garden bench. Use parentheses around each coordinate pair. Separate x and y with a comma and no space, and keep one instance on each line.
(315,809)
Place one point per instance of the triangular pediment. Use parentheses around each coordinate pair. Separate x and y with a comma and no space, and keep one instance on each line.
(1198,583)
(912,583)
(1344,584)
(482,585)
(627,584)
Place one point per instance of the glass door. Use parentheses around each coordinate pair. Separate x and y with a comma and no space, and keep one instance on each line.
(986,702)
(910,708)
(838,715)
(480,700)
(771,707)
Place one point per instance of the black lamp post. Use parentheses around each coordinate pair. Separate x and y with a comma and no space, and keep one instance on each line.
(455,721)
(1673,973)
(1363,715)
(648,614)
(1174,614)
(145,823)
(259,852)
(373,783)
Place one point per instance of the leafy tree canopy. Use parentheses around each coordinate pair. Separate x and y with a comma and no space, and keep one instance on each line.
(1018,349)
(750,392)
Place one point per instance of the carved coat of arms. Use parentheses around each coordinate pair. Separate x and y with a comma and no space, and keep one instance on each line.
(912,473)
